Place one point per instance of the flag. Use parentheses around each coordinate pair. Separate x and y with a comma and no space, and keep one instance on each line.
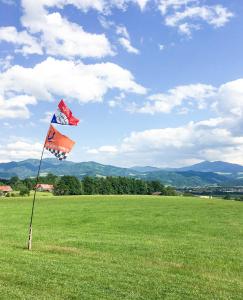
(64,116)
(57,143)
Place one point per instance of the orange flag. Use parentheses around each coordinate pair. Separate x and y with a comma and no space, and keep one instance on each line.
(58,144)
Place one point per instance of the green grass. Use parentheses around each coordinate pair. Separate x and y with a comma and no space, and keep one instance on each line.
(122,247)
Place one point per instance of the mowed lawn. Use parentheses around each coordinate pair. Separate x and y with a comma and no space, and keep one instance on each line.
(122,247)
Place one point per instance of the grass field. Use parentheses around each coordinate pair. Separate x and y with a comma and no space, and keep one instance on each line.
(122,247)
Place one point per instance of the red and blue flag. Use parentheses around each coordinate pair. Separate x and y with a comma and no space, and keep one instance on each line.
(64,116)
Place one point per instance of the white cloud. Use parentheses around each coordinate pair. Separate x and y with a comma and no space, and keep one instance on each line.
(216,15)
(187,15)
(218,138)
(165,5)
(105,23)
(117,101)
(19,148)
(85,5)
(127,45)
(186,28)
(103,149)
(161,47)
(20,86)
(16,107)
(28,44)
(53,34)
(194,94)
(60,36)
(142,3)
(196,141)
(6,62)
(122,30)
(229,100)
(124,39)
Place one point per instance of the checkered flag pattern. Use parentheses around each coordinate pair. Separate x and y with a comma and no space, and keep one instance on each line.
(59,154)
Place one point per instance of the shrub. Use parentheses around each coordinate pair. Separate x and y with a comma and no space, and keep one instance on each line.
(24,191)
(188,194)
(227,197)
(239,199)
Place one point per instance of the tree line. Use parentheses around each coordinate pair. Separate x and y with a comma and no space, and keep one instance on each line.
(71,185)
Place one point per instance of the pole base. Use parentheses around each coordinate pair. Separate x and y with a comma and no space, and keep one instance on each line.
(30,239)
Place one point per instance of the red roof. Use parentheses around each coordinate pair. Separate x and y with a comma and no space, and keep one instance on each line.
(6,188)
(44,186)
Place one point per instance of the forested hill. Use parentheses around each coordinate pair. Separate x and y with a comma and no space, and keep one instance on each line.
(28,168)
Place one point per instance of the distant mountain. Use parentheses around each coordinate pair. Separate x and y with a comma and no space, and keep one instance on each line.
(187,178)
(145,169)
(28,168)
(215,166)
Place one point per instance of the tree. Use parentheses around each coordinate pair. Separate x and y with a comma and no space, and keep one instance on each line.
(89,185)
(68,185)
(29,183)
(170,191)
(227,197)
(155,186)
(15,183)
(50,179)
(24,191)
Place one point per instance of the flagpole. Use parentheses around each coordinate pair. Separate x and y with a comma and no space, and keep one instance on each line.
(33,203)
(64,110)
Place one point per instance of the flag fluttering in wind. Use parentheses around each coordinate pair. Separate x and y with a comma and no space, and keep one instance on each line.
(57,143)
(64,116)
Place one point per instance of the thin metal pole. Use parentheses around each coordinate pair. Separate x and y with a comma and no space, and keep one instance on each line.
(33,204)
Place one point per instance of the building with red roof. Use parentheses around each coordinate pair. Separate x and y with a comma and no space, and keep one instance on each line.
(5,189)
(41,187)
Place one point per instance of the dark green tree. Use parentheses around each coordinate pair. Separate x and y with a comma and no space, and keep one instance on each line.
(227,197)
(169,191)
(155,186)
(15,183)
(68,185)
(24,191)
(89,185)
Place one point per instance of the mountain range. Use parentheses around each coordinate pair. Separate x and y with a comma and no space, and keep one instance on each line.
(204,173)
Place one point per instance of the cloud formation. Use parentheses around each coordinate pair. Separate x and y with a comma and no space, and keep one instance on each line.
(194,94)
(60,37)
(25,43)
(126,44)
(19,148)
(196,141)
(16,107)
(187,15)
(218,138)
(51,33)
(68,79)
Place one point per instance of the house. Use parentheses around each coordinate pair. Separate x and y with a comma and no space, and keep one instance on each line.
(205,197)
(5,189)
(41,187)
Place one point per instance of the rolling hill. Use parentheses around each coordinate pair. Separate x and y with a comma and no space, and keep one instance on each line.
(178,177)
(215,166)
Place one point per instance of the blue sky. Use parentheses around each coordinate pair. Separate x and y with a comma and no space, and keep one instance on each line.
(154,82)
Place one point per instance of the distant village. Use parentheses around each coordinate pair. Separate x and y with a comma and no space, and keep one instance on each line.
(212,191)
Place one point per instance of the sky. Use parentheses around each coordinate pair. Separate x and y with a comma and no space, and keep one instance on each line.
(153,82)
